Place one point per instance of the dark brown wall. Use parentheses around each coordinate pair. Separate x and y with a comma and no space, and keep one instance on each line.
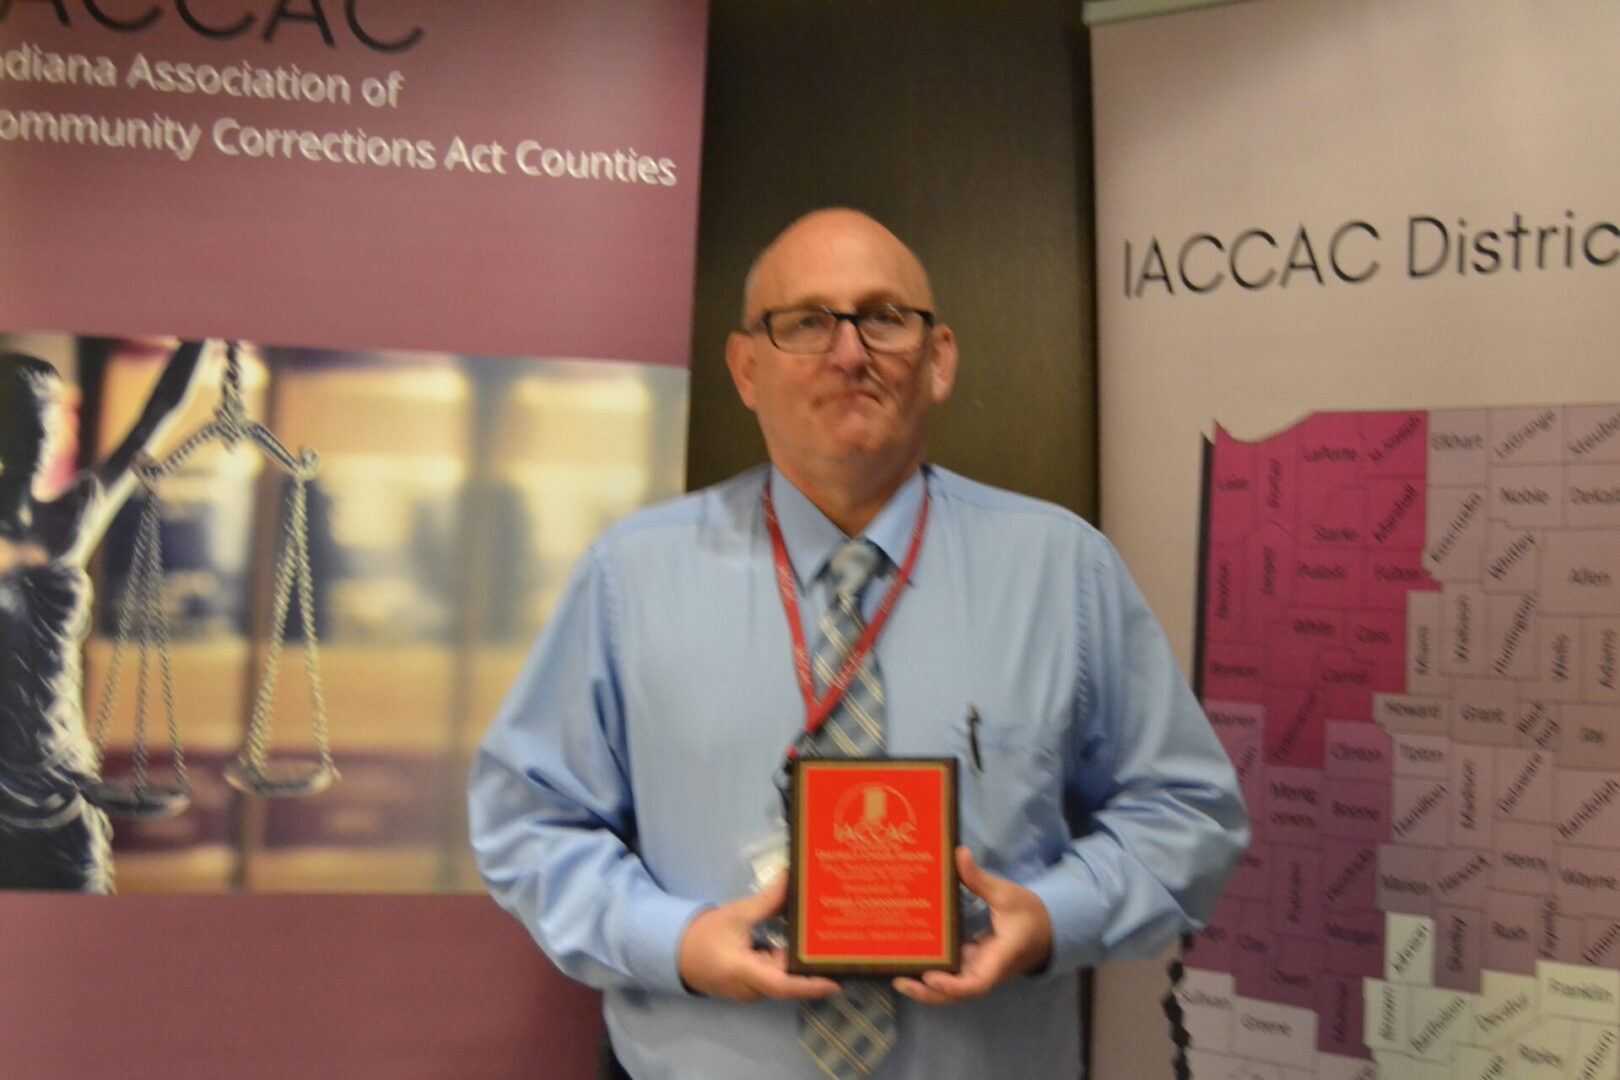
(963,127)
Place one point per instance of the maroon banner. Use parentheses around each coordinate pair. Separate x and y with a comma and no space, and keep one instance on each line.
(452,247)
(268,987)
(512,178)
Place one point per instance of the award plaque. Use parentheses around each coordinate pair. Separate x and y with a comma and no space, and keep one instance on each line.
(872,869)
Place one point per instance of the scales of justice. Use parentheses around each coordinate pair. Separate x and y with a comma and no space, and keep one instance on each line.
(142,618)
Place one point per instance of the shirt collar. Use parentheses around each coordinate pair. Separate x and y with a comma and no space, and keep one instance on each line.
(811,537)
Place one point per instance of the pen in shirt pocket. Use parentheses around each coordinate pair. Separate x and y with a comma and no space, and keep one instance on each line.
(973,737)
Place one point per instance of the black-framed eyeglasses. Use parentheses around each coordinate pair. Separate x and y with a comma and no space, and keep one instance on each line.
(885,329)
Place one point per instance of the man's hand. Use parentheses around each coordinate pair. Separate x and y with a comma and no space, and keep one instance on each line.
(1020,941)
(718,959)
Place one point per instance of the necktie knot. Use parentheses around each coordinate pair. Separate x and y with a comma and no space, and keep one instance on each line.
(852,566)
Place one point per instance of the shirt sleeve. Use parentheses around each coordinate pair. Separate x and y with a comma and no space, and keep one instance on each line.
(551,812)
(1158,818)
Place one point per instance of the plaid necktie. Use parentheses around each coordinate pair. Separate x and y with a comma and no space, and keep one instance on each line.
(848,1035)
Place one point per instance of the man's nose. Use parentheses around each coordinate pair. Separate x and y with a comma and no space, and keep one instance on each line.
(848,351)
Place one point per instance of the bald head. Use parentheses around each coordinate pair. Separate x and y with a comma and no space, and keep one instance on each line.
(819,239)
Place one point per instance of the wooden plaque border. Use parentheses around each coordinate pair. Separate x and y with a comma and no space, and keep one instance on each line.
(949,956)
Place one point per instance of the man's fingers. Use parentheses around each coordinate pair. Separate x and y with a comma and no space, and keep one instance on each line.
(937,988)
(958,987)
(979,881)
(981,968)
(770,981)
(920,991)
(796,988)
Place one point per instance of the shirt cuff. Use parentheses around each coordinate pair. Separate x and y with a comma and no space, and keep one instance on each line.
(652,940)
(1078,913)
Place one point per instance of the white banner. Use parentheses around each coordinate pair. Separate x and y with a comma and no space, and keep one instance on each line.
(1396,207)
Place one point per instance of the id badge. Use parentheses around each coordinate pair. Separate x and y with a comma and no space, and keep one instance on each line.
(766,856)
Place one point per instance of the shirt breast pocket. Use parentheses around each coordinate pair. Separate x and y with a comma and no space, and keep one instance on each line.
(1011,783)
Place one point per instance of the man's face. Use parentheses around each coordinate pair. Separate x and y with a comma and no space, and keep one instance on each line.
(848,406)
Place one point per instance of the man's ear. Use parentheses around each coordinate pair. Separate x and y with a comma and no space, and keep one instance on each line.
(740,359)
(942,364)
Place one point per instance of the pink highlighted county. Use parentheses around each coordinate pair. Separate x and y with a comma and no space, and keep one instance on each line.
(1313,541)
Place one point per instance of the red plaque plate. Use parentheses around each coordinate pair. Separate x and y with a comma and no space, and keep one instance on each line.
(872,876)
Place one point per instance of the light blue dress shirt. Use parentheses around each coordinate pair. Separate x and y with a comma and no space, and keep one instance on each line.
(632,764)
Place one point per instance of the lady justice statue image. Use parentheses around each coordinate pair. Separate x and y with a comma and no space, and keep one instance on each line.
(51,837)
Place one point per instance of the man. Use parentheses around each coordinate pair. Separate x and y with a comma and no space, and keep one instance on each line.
(623,796)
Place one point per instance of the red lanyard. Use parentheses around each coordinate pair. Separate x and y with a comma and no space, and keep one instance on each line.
(816,712)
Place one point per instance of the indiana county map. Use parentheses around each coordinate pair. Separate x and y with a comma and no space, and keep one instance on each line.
(1409,644)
